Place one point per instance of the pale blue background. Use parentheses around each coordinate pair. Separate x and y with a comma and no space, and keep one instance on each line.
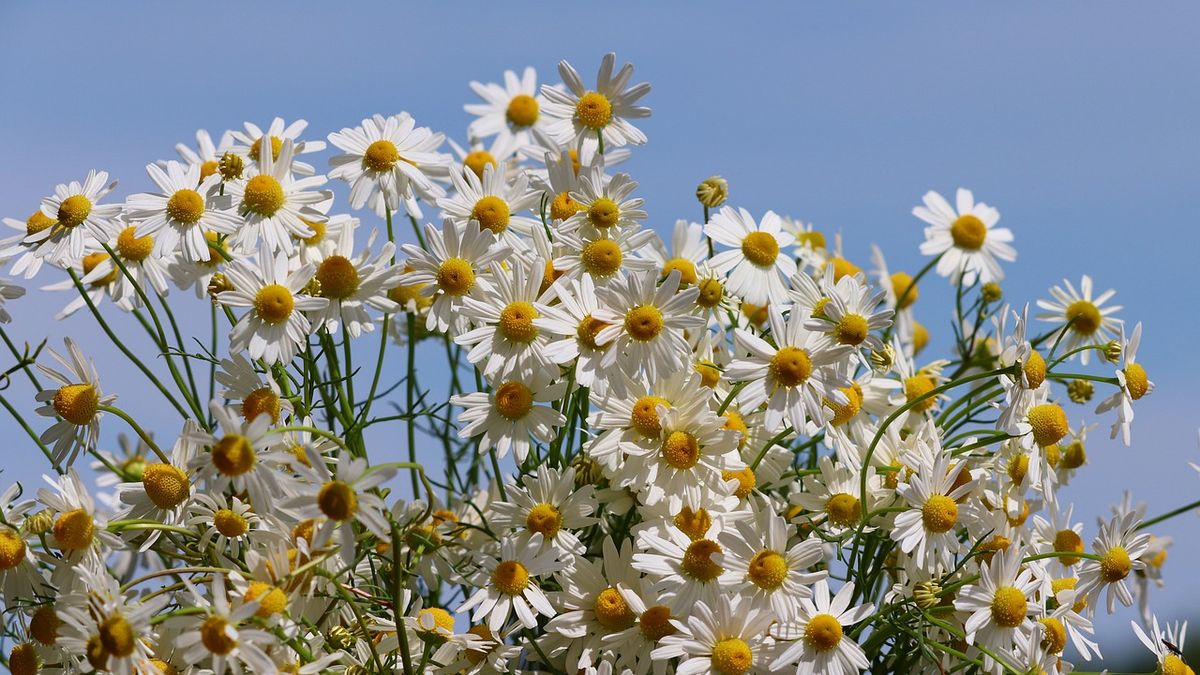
(1077,120)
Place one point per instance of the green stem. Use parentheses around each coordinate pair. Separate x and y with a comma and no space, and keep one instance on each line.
(137,429)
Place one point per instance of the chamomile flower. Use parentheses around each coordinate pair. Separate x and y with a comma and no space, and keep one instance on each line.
(492,203)
(78,218)
(242,456)
(793,376)
(143,269)
(1170,660)
(966,238)
(821,644)
(727,637)
(507,416)
(76,401)
(572,317)
(1058,534)
(687,253)
(164,490)
(1085,318)
(603,256)
(121,624)
(274,206)
(1001,601)
(646,323)
(927,530)
(19,576)
(354,283)
(28,263)
(1120,548)
(249,143)
(79,527)
(604,112)
(593,607)
(275,324)
(684,569)
(452,268)
(771,574)
(510,110)
(226,524)
(251,393)
(605,204)
(833,498)
(390,156)
(1132,386)
(547,503)
(852,315)
(508,583)
(181,212)
(223,636)
(756,270)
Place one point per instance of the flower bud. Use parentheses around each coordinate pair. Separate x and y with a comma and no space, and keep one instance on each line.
(713,191)
(40,522)
(992,292)
(926,593)
(231,166)
(1112,351)
(882,359)
(218,284)
(1080,391)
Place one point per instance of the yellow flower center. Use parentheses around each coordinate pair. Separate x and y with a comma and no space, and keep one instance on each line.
(1009,607)
(544,518)
(337,500)
(1115,564)
(23,659)
(1049,423)
(746,481)
(968,232)
(271,599)
(843,413)
(91,261)
(685,267)
(231,166)
(655,623)
(843,509)
(940,514)
(681,450)
(843,268)
(229,523)
(442,621)
(263,196)
(135,249)
(900,282)
(516,322)
(1034,369)
(165,485)
(1067,541)
(710,375)
(73,210)
(318,228)
(214,638)
(917,386)
(478,160)
(522,110)
(1074,456)
(693,523)
(1068,584)
(514,400)
(823,632)
(339,279)
(920,337)
(38,222)
(601,258)
(587,330)
(261,401)
(603,213)
(594,110)
(644,322)
(711,293)
(510,577)
(12,548)
(732,656)
(256,147)
(1054,637)
(274,303)
(117,636)
(812,239)
(612,611)
(1018,466)
(563,207)
(697,560)
(43,625)
(77,403)
(1173,665)
(852,329)
(735,422)
(492,213)
(767,570)
(74,529)
(233,455)
(760,248)
(208,168)
(381,156)
(1136,381)
(456,276)
(1084,317)
(185,206)
(791,366)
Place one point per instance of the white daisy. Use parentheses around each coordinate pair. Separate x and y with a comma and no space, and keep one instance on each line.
(684,570)
(646,323)
(493,203)
(207,154)
(1120,548)
(1085,318)
(275,325)
(774,576)
(603,112)
(452,269)
(274,205)
(927,530)
(687,253)
(509,583)
(821,645)
(1170,660)
(687,459)
(223,636)
(967,238)
(243,457)
(78,217)
(251,393)
(28,263)
(507,418)
(75,401)
(547,503)
(756,270)
(728,637)
(1001,601)
(572,317)
(390,156)
(185,208)
(604,204)
(248,143)
(601,255)
(510,110)
(1133,385)
(352,284)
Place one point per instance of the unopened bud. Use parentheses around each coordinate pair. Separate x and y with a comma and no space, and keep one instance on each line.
(231,166)
(587,471)
(341,637)
(713,191)
(313,288)
(926,593)
(882,359)
(1080,391)
(1112,351)
(40,522)
(992,292)
(218,284)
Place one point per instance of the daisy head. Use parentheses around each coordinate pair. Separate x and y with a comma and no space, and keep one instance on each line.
(76,402)
(390,156)
(604,113)
(821,644)
(1084,316)
(510,110)
(78,217)
(757,271)
(966,238)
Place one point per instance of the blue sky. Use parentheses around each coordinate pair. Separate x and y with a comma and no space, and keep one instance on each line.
(1077,120)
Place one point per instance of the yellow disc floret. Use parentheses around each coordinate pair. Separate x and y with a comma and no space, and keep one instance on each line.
(760,248)
(12,548)
(455,276)
(732,656)
(905,289)
(603,213)
(1048,422)
(271,599)
(230,523)
(697,560)
(1054,635)
(38,222)
(644,322)
(681,450)
(134,248)
(1009,607)
(685,267)
(968,232)
(655,623)
(1115,564)
(791,366)
(843,509)
(77,403)
(381,156)
(693,523)
(1084,317)
(544,518)
(516,322)
(167,486)
(74,210)
(43,625)
(23,659)
(939,514)
(522,111)
(263,196)
(514,400)
(478,160)
(274,303)
(117,636)
(917,386)
(214,637)
(601,257)
(563,207)
(767,569)
(1068,541)
(594,110)
(851,329)
(612,611)
(337,500)
(338,276)
(492,213)
(823,632)
(1136,382)
(233,455)
(73,530)
(185,206)
(510,577)
(262,401)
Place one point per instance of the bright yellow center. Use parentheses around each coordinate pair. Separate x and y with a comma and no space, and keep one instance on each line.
(337,500)
(43,625)
(456,276)
(563,207)
(900,282)
(710,375)
(767,570)
(1049,423)
(12,548)
(1034,369)
(601,257)
(843,268)
(38,222)
(735,422)
(544,518)
(381,156)
(1084,317)
(77,403)
(339,279)
(516,322)
(732,656)
(318,228)
(256,147)
(212,635)
(1136,381)
(655,623)
(968,232)
(760,248)
(478,160)
(233,455)
(603,213)
(823,632)
(274,303)
(852,329)
(208,168)
(940,513)
(644,322)
(92,260)
(134,248)
(685,267)
(746,481)
(1018,466)
(73,530)
(229,523)
(522,110)
(167,486)
(681,450)
(711,293)
(514,400)
(1173,665)
(612,611)
(812,239)
(697,560)
(185,206)
(1067,541)
(843,413)
(587,330)
(1054,637)
(917,386)
(594,110)
(843,509)
(263,195)
(117,636)
(271,599)
(1115,564)
(693,523)
(920,337)
(442,621)
(73,210)
(23,659)
(1009,607)
(261,401)
(492,213)
(1074,456)
(510,577)
(791,366)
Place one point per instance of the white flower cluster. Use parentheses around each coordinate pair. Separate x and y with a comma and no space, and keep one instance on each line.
(725,452)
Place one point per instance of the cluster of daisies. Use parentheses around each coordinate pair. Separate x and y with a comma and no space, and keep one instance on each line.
(715,449)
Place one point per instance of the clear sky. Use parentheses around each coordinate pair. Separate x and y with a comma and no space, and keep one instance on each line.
(1077,120)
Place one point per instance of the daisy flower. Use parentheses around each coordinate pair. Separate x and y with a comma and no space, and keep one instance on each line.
(1133,385)
(510,110)
(243,457)
(507,418)
(900,293)
(822,646)
(186,207)
(248,143)
(1058,534)
(966,237)
(19,576)
(687,253)
(275,207)
(683,569)
(729,637)
(78,525)
(546,503)
(223,636)
(604,112)
(226,524)
(1120,548)
(646,323)
(560,182)
(164,490)
(832,497)
(792,378)
(572,317)
(251,394)
(390,156)
(772,575)
(508,583)
(1084,317)
(78,218)
(756,271)
(28,262)
(627,412)
(275,325)
(452,269)
(1000,603)
(144,270)
(121,624)
(493,203)
(927,530)
(852,315)
(352,284)
(1169,660)
(604,203)
(604,256)
(76,401)
(592,606)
